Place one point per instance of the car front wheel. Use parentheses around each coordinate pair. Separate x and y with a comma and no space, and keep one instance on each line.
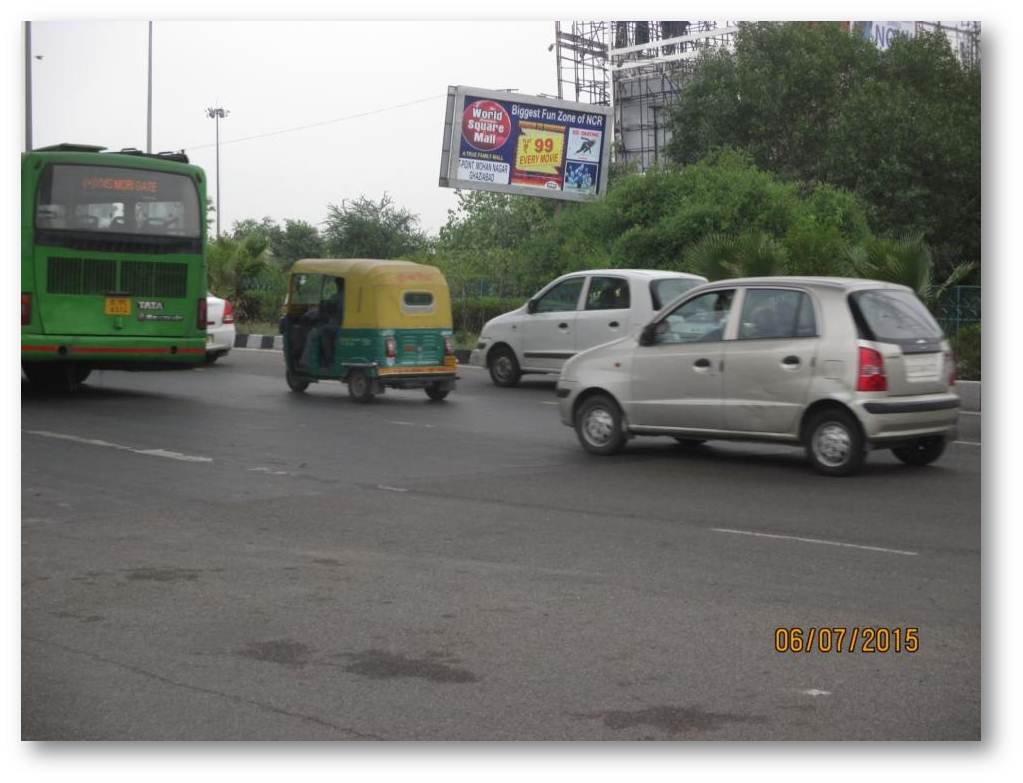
(834,443)
(598,424)
(504,367)
(922,451)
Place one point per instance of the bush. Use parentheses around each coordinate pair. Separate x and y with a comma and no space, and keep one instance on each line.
(966,345)
(471,313)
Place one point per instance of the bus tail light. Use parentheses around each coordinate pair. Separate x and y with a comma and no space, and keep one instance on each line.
(200,314)
(26,309)
(871,376)
(228,312)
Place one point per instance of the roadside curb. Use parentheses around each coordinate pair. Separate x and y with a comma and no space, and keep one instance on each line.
(969,391)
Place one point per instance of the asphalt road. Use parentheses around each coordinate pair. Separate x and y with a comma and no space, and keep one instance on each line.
(209,556)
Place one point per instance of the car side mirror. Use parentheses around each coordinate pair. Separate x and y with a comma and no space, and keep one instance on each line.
(646,337)
(531,306)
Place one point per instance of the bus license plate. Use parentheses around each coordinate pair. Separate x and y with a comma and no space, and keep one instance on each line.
(117,305)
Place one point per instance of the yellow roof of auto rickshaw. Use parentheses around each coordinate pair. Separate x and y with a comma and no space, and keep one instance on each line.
(370,271)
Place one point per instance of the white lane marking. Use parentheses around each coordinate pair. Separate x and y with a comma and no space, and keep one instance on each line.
(271,472)
(815,692)
(391,489)
(545,402)
(812,541)
(405,423)
(967,442)
(93,442)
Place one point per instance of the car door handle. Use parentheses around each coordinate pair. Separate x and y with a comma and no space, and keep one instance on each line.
(613,324)
(702,364)
(790,362)
(563,325)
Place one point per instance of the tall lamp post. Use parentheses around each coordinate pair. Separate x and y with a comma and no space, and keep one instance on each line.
(217,114)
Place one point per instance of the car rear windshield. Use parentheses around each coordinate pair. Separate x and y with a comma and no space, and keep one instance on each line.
(893,316)
(669,288)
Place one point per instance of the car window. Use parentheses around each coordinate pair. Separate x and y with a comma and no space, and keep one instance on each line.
(774,314)
(893,315)
(564,296)
(607,293)
(701,319)
(667,289)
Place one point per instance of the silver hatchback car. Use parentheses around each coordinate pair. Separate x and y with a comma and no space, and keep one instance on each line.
(837,365)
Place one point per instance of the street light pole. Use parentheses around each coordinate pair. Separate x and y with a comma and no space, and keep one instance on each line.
(149,96)
(217,114)
(28,86)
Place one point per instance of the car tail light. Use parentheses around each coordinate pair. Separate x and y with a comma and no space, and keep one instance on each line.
(871,376)
(390,347)
(950,363)
(26,309)
(200,313)
(228,312)
(449,346)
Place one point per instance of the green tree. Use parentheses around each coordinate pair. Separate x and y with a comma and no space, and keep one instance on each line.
(363,228)
(235,265)
(298,239)
(906,261)
(900,128)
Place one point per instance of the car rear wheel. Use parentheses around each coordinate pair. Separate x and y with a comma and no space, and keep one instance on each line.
(834,443)
(504,367)
(295,382)
(360,387)
(922,451)
(598,424)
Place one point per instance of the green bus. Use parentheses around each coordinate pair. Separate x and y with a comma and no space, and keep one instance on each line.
(113,262)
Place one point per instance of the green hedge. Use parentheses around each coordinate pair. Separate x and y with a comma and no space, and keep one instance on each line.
(966,345)
(471,313)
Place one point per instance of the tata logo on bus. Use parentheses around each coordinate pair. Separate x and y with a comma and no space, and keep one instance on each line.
(120,184)
(486,125)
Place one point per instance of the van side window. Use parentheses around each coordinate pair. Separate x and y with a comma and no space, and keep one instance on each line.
(776,314)
(607,293)
(563,297)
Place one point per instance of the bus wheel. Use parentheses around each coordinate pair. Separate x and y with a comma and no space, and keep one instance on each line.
(359,386)
(295,383)
(55,377)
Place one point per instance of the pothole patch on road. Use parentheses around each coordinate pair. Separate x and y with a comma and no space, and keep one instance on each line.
(672,720)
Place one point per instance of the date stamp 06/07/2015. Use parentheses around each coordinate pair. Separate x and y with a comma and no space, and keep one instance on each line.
(846,639)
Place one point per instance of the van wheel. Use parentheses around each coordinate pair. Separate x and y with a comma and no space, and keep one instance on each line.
(598,424)
(922,451)
(504,367)
(436,392)
(359,386)
(834,443)
(296,383)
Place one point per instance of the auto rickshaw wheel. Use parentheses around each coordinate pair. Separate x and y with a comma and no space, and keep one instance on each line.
(359,386)
(296,383)
(436,391)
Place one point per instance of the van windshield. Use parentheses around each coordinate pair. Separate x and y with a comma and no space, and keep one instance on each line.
(893,316)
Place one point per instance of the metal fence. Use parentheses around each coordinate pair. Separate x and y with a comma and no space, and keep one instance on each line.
(960,307)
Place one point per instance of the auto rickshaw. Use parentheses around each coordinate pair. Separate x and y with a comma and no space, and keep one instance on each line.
(371,324)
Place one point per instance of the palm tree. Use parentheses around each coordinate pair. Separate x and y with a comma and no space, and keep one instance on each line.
(907,261)
(719,256)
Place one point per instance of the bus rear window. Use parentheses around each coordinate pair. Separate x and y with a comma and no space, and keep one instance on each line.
(110,199)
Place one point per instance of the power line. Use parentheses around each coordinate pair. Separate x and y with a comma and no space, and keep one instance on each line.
(317,124)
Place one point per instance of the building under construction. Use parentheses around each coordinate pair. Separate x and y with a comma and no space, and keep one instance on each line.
(638,68)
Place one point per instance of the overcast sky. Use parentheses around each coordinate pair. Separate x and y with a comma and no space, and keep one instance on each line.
(90,87)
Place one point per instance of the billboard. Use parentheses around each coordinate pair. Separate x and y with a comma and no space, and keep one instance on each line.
(881,34)
(524,144)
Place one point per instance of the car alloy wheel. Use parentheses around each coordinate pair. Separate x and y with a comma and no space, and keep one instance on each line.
(599,425)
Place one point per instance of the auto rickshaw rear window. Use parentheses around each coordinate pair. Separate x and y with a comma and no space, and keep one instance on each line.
(418,299)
